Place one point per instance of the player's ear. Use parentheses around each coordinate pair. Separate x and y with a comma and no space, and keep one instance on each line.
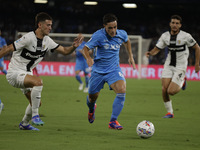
(39,24)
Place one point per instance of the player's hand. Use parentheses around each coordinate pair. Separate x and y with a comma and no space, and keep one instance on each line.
(90,62)
(132,62)
(197,68)
(78,40)
(147,54)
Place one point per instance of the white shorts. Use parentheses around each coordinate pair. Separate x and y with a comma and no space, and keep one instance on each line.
(16,79)
(175,74)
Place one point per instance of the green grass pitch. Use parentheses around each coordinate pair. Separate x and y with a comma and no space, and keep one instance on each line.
(66,127)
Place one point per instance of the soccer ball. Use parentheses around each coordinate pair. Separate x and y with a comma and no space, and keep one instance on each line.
(145,129)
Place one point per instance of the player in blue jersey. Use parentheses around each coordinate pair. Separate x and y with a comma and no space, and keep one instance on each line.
(2,44)
(106,43)
(81,65)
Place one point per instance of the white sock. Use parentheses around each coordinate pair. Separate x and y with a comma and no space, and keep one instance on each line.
(28,115)
(35,99)
(168,106)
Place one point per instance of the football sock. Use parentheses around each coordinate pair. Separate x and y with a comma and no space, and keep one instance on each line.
(118,105)
(4,71)
(168,106)
(86,80)
(90,105)
(28,115)
(78,78)
(35,99)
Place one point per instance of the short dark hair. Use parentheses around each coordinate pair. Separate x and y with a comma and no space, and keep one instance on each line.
(42,16)
(177,17)
(109,18)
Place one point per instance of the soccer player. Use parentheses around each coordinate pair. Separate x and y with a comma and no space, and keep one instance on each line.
(106,43)
(2,44)
(173,75)
(81,65)
(28,51)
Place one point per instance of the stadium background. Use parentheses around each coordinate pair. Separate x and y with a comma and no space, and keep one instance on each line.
(150,19)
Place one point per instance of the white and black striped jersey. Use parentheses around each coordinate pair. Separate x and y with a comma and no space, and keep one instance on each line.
(178,48)
(29,51)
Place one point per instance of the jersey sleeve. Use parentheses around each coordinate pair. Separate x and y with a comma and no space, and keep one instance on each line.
(52,45)
(125,36)
(93,41)
(161,44)
(190,41)
(21,43)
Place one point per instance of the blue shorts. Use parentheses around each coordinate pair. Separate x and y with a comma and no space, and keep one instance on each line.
(82,65)
(98,80)
(1,62)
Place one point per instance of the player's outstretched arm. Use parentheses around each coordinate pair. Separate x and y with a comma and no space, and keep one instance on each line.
(6,50)
(153,52)
(68,50)
(130,54)
(197,55)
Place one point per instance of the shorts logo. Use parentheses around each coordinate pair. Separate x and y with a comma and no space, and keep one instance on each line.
(180,75)
(121,75)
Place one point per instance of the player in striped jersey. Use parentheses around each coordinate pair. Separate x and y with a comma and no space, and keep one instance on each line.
(28,51)
(173,75)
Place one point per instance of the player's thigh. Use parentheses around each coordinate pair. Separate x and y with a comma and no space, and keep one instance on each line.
(31,81)
(116,81)
(96,83)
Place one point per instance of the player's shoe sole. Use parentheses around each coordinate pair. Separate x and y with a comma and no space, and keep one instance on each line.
(28,127)
(37,121)
(115,125)
(169,115)
(91,116)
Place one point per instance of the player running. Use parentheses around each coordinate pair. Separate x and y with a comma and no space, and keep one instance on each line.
(106,43)
(175,66)
(81,65)
(28,51)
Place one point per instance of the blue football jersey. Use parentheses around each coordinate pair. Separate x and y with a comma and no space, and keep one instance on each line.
(106,50)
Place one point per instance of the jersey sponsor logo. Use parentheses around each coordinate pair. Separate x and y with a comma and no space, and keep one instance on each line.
(32,56)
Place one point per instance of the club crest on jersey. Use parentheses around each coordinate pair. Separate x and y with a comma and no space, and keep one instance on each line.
(106,46)
(179,41)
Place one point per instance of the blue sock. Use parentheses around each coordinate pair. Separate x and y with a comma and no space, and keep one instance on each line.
(90,105)
(86,80)
(118,105)
(4,71)
(78,78)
